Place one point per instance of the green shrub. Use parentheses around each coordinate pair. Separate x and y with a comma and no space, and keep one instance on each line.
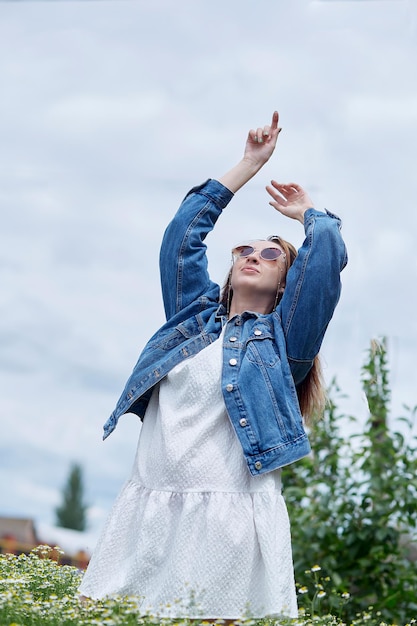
(353,505)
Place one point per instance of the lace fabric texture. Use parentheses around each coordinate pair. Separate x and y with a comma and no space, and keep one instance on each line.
(192,532)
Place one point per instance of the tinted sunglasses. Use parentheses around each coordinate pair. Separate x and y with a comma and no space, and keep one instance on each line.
(267,254)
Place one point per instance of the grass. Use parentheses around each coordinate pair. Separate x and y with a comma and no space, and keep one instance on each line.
(36,591)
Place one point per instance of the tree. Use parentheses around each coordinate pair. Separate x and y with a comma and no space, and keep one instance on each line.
(353,506)
(72,512)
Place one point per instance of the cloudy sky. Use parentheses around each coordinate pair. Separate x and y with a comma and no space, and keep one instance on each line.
(109,113)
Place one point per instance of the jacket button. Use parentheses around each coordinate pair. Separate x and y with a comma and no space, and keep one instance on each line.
(258,465)
(243,422)
(257,332)
(233,339)
(233,362)
(229,387)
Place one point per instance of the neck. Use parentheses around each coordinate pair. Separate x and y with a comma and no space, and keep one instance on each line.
(260,304)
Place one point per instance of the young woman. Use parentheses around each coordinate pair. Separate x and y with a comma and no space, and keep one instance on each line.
(201,528)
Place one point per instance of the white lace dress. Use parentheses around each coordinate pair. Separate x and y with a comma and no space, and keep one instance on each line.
(193,532)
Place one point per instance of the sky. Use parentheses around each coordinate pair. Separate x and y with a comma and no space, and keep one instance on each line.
(110,111)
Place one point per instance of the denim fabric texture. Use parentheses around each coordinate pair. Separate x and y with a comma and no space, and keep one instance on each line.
(264,356)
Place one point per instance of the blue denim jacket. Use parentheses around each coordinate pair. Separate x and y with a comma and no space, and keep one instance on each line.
(264,356)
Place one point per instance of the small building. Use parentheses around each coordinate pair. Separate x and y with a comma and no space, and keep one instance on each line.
(17,534)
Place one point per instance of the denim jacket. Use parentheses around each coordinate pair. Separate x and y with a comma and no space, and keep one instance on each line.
(264,356)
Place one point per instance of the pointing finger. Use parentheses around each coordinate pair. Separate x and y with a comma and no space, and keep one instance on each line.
(275,118)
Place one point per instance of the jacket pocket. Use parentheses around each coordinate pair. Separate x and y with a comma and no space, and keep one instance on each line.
(262,351)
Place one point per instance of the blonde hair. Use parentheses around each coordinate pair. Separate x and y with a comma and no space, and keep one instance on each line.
(311,392)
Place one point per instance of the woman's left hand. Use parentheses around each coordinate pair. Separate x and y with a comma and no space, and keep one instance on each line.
(291,200)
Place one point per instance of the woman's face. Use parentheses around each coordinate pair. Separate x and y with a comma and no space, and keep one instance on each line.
(254,274)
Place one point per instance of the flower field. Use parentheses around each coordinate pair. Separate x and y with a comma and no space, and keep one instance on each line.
(36,591)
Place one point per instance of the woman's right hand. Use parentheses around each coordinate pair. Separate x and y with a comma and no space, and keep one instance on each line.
(261,142)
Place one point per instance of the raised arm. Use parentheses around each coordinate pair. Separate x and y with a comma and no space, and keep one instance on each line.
(313,282)
(183,262)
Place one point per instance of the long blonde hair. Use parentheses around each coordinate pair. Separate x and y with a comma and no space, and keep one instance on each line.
(311,391)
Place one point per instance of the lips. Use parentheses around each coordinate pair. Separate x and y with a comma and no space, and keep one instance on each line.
(249,269)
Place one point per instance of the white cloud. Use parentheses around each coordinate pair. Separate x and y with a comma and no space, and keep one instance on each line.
(97,113)
(371,111)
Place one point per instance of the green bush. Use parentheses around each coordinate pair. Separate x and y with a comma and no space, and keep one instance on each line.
(353,506)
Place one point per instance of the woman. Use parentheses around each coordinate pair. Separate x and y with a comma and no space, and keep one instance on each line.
(201,528)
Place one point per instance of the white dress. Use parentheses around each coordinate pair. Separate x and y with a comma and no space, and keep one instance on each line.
(193,532)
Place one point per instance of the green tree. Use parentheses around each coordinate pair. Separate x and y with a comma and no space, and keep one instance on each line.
(72,512)
(353,505)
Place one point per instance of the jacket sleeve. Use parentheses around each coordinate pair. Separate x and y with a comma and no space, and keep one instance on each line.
(312,290)
(183,260)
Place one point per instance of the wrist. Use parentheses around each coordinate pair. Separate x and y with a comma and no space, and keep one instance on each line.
(240,174)
(301,217)
(251,165)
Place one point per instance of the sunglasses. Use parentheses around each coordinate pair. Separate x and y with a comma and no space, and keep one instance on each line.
(267,254)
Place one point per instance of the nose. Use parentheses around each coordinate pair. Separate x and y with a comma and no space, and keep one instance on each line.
(253,257)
